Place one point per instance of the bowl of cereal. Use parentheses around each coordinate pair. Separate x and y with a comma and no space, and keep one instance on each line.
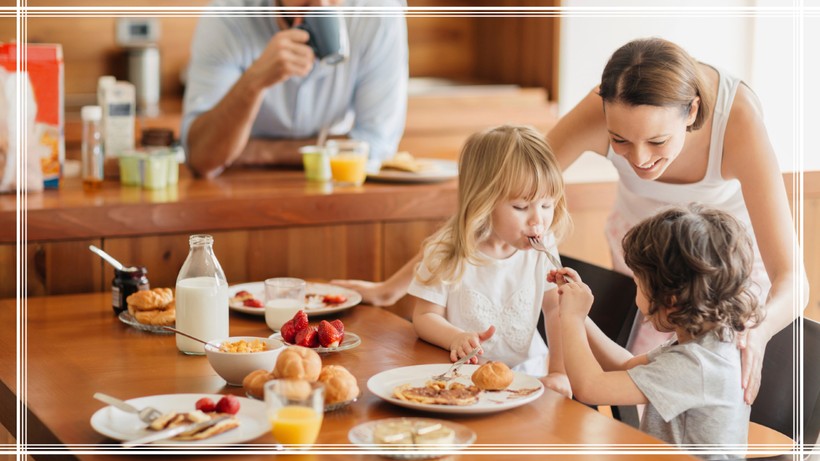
(235,357)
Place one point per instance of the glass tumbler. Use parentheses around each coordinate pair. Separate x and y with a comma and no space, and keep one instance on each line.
(284,296)
(295,409)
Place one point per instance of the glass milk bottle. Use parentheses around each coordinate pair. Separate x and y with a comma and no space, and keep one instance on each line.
(201,297)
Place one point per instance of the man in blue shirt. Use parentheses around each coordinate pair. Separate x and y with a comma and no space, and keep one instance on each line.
(256,93)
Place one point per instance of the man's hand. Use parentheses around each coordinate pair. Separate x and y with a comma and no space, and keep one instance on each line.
(286,55)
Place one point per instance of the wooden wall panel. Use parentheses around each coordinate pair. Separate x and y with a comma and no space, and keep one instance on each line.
(90,49)
(402,241)
(63,267)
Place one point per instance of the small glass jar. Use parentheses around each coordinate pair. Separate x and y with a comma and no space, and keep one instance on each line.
(125,283)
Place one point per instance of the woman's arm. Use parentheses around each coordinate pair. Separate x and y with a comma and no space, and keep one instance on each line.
(750,158)
(388,292)
(582,129)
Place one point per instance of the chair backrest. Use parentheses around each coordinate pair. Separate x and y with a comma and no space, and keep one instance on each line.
(614,307)
(776,402)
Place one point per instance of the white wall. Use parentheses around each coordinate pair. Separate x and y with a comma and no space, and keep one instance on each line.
(761,50)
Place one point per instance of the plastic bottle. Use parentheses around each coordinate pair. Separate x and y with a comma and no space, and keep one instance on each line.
(92,148)
(201,297)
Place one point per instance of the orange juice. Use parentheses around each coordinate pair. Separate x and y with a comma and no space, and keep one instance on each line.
(348,168)
(296,425)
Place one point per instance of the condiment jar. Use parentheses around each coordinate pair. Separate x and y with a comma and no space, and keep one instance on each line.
(125,283)
(201,297)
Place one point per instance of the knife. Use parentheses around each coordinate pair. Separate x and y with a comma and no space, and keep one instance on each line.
(168,433)
(147,414)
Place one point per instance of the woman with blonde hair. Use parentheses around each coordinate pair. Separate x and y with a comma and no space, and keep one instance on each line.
(480,283)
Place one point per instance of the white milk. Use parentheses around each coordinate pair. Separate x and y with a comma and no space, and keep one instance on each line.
(202,311)
(279,311)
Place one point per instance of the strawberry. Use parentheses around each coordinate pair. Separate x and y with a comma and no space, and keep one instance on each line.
(228,404)
(334,299)
(205,404)
(341,327)
(252,302)
(300,321)
(307,337)
(288,332)
(329,336)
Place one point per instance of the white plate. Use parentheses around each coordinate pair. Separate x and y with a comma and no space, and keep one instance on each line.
(362,435)
(128,319)
(257,289)
(350,341)
(121,425)
(382,385)
(444,170)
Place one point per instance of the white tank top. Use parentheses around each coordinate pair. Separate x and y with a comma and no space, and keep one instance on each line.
(638,199)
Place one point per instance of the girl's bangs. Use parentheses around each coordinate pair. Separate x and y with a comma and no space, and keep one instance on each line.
(530,181)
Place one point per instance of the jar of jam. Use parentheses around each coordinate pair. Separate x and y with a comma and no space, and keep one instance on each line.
(125,283)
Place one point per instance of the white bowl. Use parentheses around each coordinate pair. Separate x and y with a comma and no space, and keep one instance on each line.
(234,366)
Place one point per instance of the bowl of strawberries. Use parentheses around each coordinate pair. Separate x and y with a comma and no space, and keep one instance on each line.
(323,337)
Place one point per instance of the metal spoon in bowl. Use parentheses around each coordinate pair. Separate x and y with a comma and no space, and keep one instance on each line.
(221,347)
(110,259)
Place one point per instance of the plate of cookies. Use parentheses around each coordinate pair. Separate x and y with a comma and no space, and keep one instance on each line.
(476,389)
(404,167)
(422,437)
(150,310)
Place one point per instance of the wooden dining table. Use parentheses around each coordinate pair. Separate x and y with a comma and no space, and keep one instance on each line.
(72,346)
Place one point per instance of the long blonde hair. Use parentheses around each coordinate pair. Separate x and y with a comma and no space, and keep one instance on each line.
(507,161)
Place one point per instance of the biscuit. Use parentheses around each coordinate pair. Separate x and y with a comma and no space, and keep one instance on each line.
(340,385)
(146,300)
(158,317)
(493,376)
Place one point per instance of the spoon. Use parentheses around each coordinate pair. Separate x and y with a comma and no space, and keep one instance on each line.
(221,347)
(110,259)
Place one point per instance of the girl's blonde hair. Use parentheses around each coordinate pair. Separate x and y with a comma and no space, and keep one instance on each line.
(698,260)
(656,72)
(504,162)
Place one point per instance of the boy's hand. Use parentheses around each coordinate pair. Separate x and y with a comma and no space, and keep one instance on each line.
(574,299)
(464,343)
(558,382)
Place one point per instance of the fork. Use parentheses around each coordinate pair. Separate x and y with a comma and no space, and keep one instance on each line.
(454,367)
(147,414)
(554,260)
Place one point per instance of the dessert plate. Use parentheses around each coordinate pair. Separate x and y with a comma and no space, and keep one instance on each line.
(121,425)
(440,170)
(128,319)
(362,435)
(313,302)
(350,341)
(523,390)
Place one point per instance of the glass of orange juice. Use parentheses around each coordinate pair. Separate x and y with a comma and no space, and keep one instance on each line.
(295,409)
(348,161)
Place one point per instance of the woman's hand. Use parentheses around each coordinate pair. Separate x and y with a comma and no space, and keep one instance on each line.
(375,293)
(464,343)
(558,382)
(752,345)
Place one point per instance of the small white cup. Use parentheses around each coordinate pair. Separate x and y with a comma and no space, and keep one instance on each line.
(284,296)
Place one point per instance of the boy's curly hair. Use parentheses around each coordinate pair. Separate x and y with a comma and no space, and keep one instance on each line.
(698,260)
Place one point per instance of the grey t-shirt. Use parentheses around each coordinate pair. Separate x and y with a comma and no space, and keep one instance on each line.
(695,395)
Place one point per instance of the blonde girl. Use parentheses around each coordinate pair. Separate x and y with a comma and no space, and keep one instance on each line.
(480,283)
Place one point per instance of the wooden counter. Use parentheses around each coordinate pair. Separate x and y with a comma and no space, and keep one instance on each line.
(75,347)
(265,223)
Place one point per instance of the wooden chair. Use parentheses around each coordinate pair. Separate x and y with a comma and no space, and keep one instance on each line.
(774,407)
